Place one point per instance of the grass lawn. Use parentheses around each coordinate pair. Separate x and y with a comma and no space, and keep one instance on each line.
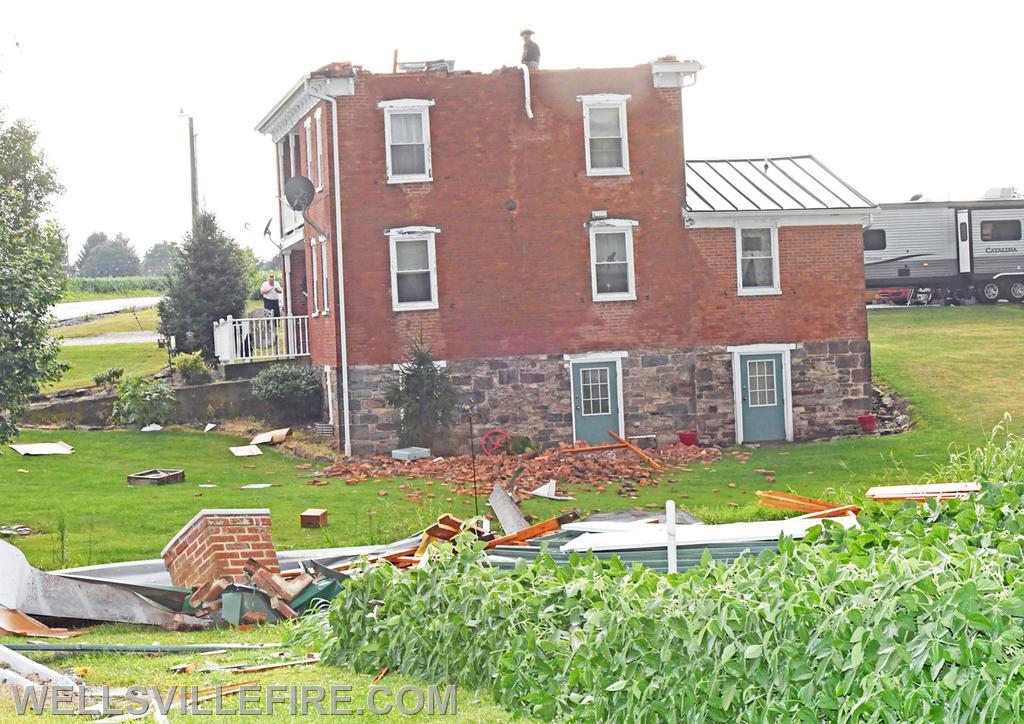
(86,362)
(144,320)
(959,366)
(123,670)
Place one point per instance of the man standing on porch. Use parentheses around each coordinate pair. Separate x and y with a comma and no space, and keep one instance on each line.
(271,292)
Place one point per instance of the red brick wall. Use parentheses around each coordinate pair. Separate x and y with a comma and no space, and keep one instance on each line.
(518,282)
(218,543)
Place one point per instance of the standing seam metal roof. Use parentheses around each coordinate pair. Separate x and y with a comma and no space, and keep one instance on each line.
(781,183)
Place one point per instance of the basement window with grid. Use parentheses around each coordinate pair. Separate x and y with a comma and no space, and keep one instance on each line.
(407,140)
(611,260)
(757,261)
(604,129)
(413,268)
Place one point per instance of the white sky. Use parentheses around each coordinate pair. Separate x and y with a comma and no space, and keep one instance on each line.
(891,95)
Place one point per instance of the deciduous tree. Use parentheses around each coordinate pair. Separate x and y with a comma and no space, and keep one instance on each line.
(32,256)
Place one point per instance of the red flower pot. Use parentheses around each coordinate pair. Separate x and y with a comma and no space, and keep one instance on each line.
(687,438)
(867,422)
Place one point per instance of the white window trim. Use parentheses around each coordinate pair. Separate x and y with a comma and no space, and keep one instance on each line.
(606,100)
(316,278)
(293,155)
(787,381)
(317,118)
(606,226)
(776,288)
(308,125)
(408,105)
(413,233)
(325,275)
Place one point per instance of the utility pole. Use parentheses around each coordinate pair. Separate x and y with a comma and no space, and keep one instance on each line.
(192,165)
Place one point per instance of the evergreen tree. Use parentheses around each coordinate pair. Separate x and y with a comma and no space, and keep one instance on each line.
(425,397)
(33,251)
(206,283)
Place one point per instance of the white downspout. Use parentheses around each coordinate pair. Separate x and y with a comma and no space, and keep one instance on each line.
(526,91)
(342,325)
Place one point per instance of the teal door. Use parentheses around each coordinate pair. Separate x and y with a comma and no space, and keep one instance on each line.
(763,397)
(595,400)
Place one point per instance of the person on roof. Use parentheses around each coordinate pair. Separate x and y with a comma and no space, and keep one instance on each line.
(531,51)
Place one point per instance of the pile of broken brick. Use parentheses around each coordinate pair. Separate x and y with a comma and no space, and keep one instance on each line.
(572,464)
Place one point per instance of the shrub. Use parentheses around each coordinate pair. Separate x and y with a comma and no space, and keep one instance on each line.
(424,395)
(291,387)
(519,445)
(111,377)
(918,615)
(192,369)
(141,402)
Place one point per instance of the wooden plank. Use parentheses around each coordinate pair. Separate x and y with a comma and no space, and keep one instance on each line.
(545,526)
(832,512)
(809,504)
(593,449)
(635,450)
(922,492)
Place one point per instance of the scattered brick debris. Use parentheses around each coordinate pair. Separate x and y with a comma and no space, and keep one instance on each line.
(538,468)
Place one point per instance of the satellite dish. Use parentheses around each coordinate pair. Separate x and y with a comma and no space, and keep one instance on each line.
(299,192)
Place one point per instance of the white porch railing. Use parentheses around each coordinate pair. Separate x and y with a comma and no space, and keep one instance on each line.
(261,338)
(290,219)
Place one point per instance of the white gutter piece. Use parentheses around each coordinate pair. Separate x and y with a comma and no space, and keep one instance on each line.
(655,536)
(342,324)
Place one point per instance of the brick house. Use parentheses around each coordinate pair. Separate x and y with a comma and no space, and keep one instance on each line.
(541,231)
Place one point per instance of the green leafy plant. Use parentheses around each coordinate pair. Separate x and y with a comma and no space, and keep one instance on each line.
(142,402)
(916,615)
(519,445)
(424,395)
(292,388)
(192,368)
(110,377)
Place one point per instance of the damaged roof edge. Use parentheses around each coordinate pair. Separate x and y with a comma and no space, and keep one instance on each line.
(331,79)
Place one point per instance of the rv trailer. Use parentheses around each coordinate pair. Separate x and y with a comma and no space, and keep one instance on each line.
(966,247)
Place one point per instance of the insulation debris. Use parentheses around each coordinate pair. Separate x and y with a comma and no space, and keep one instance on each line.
(243,451)
(272,437)
(43,448)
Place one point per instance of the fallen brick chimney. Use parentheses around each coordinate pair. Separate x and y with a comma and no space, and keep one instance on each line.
(218,543)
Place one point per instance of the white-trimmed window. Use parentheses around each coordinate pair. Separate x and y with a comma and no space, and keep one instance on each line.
(407,140)
(611,260)
(605,131)
(325,272)
(316,277)
(413,268)
(757,261)
(308,125)
(318,120)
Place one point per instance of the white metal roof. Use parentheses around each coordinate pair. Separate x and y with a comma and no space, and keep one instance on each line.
(783,183)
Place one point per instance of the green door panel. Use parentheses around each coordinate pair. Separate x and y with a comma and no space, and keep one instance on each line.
(595,400)
(763,397)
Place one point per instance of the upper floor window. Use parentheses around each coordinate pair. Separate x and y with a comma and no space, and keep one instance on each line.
(1008,230)
(308,125)
(757,261)
(874,239)
(611,260)
(407,139)
(604,128)
(318,121)
(413,268)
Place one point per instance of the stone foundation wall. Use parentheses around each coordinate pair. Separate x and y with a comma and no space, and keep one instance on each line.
(663,391)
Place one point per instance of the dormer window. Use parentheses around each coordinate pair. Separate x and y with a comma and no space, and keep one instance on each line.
(604,129)
(407,140)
